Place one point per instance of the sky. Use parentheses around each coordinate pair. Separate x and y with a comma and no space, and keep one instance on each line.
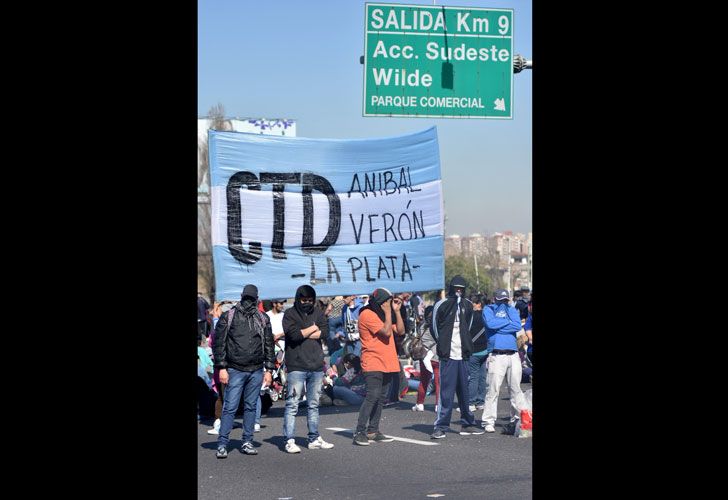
(300,60)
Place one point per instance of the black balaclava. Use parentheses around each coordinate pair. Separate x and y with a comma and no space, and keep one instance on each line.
(304,291)
(452,304)
(249,300)
(457,281)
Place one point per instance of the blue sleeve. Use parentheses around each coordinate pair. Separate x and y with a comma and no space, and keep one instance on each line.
(492,322)
(515,321)
(529,323)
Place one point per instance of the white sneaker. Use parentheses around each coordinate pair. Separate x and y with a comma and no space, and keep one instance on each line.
(457,409)
(489,428)
(319,444)
(215,427)
(257,428)
(291,446)
(471,408)
(435,408)
(418,407)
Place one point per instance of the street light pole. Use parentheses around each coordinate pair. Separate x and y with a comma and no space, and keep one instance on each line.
(477,277)
(520,63)
(509,276)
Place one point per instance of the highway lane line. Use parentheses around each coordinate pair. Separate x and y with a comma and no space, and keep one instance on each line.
(404,440)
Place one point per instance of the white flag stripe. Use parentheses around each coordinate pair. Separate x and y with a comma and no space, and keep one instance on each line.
(372,219)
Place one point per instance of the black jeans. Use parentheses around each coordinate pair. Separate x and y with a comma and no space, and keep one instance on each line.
(378,384)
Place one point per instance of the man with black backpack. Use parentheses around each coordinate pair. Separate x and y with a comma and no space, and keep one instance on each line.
(243,351)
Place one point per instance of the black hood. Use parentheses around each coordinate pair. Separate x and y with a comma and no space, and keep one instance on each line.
(457,281)
(304,291)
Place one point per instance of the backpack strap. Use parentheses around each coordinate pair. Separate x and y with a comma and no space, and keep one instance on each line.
(230,315)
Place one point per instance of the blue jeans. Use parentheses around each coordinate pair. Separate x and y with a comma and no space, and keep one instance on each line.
(477,385)
(313,381)
(351,397)
(258,409)
(247,385)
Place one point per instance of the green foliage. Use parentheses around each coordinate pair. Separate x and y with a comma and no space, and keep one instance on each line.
(457,265)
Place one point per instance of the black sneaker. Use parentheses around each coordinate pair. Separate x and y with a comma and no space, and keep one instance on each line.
(438,434)
(378,437)
(471,429)
(221,452)
(248,449)
(361,439)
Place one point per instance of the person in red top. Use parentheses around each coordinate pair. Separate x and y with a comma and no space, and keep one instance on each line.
(378,322)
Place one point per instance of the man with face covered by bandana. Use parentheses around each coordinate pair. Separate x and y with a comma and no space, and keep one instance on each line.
(452,319)
(245,355)
(304,326)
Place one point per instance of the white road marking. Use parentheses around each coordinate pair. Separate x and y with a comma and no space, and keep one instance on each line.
(436,495)
(405,440)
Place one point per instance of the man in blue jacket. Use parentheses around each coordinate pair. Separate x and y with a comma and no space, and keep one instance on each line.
(502,326)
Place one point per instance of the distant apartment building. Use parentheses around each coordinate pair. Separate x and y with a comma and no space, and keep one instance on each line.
(475,244)
(501,244)
(453,246)
(520,271)
(511,253)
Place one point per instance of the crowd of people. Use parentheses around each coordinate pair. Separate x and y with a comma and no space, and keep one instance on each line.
(356,350)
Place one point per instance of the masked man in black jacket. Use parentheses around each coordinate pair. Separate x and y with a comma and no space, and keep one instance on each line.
(244,353)
(304,325)
(452,319)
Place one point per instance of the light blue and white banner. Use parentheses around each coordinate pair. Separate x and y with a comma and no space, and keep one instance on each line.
(344,216)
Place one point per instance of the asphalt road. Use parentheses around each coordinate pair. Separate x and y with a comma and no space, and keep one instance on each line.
(493,466)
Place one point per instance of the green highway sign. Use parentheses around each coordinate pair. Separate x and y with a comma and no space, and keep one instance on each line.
(429,61)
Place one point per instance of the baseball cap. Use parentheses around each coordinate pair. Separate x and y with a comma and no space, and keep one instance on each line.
(282,301)
(250,291)
(381,295)
(500,294)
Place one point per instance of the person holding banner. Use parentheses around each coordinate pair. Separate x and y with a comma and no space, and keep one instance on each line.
(452,319)
(378,322)
(304,325)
